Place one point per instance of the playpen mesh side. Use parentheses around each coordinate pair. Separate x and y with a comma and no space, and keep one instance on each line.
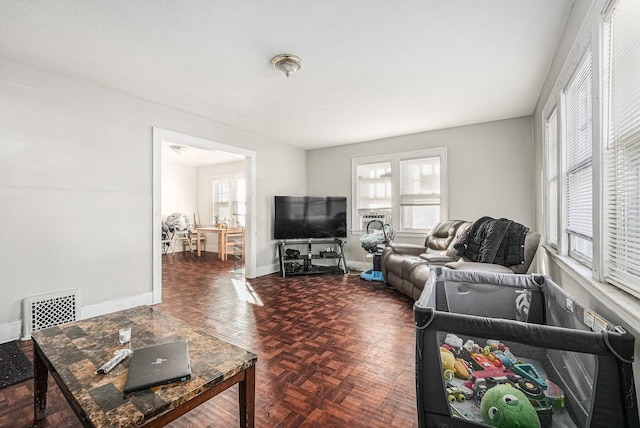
(593,367)
(432,404)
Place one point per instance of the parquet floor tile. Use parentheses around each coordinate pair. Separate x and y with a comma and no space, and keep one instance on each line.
(333,350)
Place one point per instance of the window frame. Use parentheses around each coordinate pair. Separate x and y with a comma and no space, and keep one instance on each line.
(593,37)
(551,178)
(395,160)
(583,165)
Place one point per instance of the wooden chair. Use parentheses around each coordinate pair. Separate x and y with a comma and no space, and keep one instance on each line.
(194,236)
(234,244)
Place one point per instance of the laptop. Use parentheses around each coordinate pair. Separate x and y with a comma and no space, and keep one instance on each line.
(158,365)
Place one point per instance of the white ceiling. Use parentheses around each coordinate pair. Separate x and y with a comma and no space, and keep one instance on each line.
(373,68)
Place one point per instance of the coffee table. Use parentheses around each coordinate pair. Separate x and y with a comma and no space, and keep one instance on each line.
(72,353)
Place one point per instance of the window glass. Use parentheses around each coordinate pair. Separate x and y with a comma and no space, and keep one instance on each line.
(405,190)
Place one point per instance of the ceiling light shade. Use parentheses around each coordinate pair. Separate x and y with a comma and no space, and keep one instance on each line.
(178,149)
(287,64)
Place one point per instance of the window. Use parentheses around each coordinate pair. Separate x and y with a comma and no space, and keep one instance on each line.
(229,199)
(578,173)
(598,135)
(405,190)
(551,178)
(622,38)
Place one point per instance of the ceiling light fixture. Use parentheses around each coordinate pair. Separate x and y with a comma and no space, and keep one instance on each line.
(287,64)
(178,149)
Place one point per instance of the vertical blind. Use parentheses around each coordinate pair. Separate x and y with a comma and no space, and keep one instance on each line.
(623,154)
(579,169)
(551,179)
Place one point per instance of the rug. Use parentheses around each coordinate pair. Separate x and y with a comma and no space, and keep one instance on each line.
(15,367)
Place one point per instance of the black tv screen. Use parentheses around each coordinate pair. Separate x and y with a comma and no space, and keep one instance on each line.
(310,217)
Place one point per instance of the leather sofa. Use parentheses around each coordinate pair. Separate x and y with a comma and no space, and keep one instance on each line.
(407,266)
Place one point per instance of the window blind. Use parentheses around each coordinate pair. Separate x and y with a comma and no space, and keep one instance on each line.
(551,214)
(623,154)
(419,193)
(374,186)
(579,169)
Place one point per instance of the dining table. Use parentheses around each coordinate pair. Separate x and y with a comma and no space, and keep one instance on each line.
(222,233)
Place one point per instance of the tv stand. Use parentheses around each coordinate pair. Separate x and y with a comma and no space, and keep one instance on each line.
(311,256)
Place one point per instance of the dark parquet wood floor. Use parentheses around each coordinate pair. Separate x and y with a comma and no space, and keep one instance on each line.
(333,350)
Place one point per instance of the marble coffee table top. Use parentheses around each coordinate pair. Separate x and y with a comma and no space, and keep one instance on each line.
(76,350)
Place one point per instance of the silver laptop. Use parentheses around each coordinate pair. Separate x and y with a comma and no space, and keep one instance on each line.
(157,365)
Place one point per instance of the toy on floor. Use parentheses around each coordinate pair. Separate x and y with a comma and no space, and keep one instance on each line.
(504,406)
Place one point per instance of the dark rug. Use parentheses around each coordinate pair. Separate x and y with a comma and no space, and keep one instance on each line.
(15,367)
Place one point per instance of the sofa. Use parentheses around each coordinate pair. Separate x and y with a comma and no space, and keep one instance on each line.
(406,267)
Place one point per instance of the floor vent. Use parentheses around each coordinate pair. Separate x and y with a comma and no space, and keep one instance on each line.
(48,310)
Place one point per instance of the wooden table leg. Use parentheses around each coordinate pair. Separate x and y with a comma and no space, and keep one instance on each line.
(40,379)
(247,398)
(198,242)
(222,245)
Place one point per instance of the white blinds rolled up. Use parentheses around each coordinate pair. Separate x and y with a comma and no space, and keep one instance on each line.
(623,154)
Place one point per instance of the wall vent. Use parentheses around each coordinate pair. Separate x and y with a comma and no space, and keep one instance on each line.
(48,310)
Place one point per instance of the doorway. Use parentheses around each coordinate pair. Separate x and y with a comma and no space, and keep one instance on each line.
(163,135)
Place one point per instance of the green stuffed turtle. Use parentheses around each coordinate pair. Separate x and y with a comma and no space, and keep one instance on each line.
(504,406)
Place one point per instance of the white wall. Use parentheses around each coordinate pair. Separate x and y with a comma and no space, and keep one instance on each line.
(76,188)
(179,189)
(490,171)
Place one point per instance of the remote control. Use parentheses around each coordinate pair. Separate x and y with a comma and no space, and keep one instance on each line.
(120,356)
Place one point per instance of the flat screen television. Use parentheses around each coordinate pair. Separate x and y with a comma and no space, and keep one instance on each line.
(310,217)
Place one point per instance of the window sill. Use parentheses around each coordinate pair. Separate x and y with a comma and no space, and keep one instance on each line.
(623,304)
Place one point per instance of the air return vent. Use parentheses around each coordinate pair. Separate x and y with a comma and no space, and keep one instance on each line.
(48,310)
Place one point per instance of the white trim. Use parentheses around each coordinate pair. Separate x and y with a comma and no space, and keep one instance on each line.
(10,331)
(159,135)
(111,306)
(268,269)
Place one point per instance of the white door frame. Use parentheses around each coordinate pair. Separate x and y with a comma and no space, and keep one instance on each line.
(160,135)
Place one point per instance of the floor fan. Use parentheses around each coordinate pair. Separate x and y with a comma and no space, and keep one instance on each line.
(378,236)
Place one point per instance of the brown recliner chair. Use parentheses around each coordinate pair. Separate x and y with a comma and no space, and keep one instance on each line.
(399,261)
(407,266)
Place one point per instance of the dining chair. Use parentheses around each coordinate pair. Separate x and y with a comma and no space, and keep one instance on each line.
(234,244)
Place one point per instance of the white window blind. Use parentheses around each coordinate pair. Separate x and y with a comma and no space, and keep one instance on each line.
(623,154)
(419,193)
(579,168)
(374,186)
(551,178)
(407,190)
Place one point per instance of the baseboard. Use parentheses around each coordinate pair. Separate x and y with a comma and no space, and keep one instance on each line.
(361,266)
(10,331)
(268,270)
(111,306)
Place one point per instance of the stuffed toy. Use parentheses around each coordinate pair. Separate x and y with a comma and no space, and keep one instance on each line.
(448,363)
(504,406)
